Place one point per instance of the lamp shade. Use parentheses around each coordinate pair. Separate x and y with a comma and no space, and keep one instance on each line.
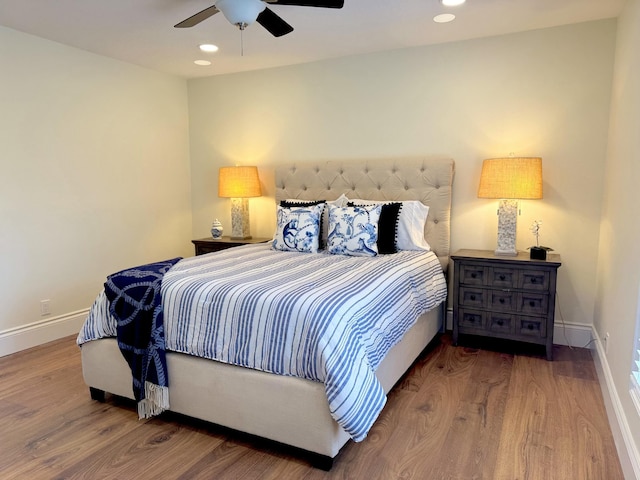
(518,178)
(239,182)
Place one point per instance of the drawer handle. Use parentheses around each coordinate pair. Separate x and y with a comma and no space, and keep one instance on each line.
(502,277)
(502,300)
(530,326)
(532,303)
(533,280)
(472,297)
(473,275)
(500,323)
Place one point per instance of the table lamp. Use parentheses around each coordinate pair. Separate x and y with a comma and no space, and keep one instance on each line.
(510,179)
(239,184)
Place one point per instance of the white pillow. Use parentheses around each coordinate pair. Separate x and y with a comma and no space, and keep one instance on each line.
(353,230)
(341,201)
(413,216)
(298,229)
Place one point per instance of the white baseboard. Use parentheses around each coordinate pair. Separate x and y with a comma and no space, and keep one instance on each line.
(26,336)
(573,334)
(627,449)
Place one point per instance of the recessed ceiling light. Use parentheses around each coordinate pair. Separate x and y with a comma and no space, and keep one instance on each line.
(452,3)
(209,48)
(204,63)
(444,18)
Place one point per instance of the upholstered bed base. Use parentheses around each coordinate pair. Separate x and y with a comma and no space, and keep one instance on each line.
(290,410)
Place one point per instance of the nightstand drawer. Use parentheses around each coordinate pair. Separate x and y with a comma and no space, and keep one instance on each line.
(473,297)
(503,300)
(501,323)
(535,280)
(503,277)
(209,248)
(533,303)
(472,321)
(473,275)
(531,327)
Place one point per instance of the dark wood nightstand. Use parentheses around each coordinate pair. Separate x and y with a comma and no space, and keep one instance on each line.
(210,244)
(511,298)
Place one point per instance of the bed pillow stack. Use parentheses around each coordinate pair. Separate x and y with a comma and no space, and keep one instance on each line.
(357,227)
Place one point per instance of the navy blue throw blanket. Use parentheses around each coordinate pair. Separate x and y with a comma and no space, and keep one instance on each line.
(136,304)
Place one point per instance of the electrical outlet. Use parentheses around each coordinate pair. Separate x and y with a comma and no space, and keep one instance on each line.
(45,307)
(606,343)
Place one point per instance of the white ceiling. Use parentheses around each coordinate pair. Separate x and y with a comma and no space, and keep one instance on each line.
(141,31)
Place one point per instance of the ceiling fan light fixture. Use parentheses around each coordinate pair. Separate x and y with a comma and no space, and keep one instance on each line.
(241,12)
(452,3)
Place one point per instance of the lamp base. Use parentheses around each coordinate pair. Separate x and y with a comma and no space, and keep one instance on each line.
(240,219)
(506,253)
(507,219)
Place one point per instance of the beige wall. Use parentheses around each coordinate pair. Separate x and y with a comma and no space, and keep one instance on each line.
(94,174)
(543,93)
(619,259)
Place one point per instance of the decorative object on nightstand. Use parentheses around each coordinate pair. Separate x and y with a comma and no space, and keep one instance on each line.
(538,252)
(510,179)
(239,184)
(511,298)
(208,245)
(216,229)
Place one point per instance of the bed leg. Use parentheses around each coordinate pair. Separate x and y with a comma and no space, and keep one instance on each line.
(321,462)
(443,313)
(97,394)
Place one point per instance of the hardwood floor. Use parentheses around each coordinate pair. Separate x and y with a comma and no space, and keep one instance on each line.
(459,413)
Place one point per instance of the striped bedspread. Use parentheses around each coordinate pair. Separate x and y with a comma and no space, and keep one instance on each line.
(328,318)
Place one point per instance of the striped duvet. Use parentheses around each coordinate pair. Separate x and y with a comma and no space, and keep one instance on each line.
(328,318)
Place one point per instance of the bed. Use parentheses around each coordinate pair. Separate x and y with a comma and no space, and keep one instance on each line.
(286,409)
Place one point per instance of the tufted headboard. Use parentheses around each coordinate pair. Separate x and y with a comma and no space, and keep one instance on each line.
(428,179)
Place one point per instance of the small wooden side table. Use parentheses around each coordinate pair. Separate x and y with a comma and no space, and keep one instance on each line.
(210,244)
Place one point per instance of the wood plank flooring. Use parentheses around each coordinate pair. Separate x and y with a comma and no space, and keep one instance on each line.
(459,413)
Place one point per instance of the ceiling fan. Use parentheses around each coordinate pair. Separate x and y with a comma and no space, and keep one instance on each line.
(244,12)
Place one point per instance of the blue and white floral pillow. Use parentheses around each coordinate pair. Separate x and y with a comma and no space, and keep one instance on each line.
(353,230)
(298,229)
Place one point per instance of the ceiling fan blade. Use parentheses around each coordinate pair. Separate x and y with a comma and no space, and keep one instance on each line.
(275,25)
(198,17)
(310,3)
